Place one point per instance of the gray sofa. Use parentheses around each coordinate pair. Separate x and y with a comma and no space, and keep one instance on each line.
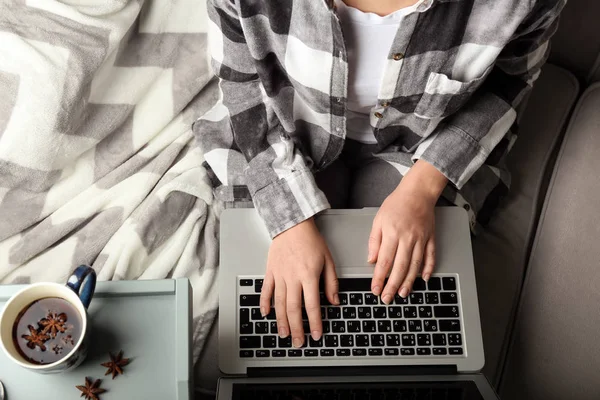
(538,262)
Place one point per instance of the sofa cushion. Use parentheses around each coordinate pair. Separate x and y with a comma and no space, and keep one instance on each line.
(500,252)
(554,354)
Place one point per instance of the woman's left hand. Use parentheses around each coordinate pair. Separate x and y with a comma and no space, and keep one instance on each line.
(403,235)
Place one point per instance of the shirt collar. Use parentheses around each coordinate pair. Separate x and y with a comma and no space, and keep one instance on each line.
(330,3)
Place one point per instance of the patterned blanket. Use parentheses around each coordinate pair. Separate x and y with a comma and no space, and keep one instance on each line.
(98,164)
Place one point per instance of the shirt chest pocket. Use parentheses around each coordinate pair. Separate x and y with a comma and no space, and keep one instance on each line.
(444,96)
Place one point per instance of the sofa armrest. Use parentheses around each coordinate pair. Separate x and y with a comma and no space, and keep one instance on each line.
(555,353)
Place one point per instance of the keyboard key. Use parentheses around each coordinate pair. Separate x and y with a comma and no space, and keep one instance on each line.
(377,341)
(353,326)
(262,327)
(244,315)
(356,299)
(439,351)
(449,283)
(338,326)
(327,352)
(255,314)
(379,312)
(407,352)
(334,313)
(446,311)
(305,326)
(362,340)
(424,339)
(343,299)
(400,300)
(410,312)
(425,312)
(449,325)
(392,340)
(246,353)
(384,326)
(448,298)
(369,326)
(395,312)
(273,328)
(342,352)
(434,283)
(400,326)
(258,285)
(419,285)
(331,341)
(408,340)
(439,339)
(454,339)
(311,353)
(354,284)
(295,353)
(430,325)
(432,298)
(263,353)
(391,352)
(422,351)
(269,342)
(456,351)
(347,340)
(315,343)
(416,298)
(246,282)
(326,326)
(364,312)
(323,313)
(371,299)
(375,352)
(305,343)
(271,315)
(349,312)
(414,325)
(278,353)
(359,352)
(249,342)
(247,328)
(285,343)
(249,300)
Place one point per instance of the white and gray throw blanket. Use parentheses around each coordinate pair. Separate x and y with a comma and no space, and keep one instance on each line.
(98,164)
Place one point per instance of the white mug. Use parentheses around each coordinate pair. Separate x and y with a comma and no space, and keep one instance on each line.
(78,291)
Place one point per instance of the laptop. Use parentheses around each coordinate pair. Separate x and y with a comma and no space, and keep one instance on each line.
(427,346)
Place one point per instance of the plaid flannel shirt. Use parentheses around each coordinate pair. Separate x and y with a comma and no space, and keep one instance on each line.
(454,81)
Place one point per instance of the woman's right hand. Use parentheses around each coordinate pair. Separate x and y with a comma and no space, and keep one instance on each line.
(297,258)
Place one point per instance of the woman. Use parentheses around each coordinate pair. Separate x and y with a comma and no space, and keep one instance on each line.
(402,104)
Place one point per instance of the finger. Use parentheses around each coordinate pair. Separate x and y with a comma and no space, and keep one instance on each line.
(399,271)
(415,267)
(283,327)
(294,313)
(374,241)
(429,259)
(266,294)
(313,308)
(332,285)
(385,259)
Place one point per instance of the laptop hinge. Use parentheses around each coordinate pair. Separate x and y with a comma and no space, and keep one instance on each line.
(353,371)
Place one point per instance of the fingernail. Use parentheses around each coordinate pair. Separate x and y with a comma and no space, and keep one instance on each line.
(376,290)
(297,343)
(316,335)
(387,299)
(370,258)
(263,312)
(336,299)
(404,292)
(283,333)
(426,277)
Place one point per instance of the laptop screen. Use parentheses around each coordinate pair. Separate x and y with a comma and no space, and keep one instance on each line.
(460,390)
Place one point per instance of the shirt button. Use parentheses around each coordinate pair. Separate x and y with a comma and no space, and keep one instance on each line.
(385,104)
(467,207)
(378,115)
(398,56)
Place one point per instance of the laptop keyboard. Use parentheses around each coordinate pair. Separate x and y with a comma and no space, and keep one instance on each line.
(428,323)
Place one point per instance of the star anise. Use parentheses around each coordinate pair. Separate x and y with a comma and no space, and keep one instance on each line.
(68,340)
(36,338)
(54,323)
(116,364)
(91,390)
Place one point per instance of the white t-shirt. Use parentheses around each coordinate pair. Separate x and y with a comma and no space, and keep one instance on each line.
(368,39)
